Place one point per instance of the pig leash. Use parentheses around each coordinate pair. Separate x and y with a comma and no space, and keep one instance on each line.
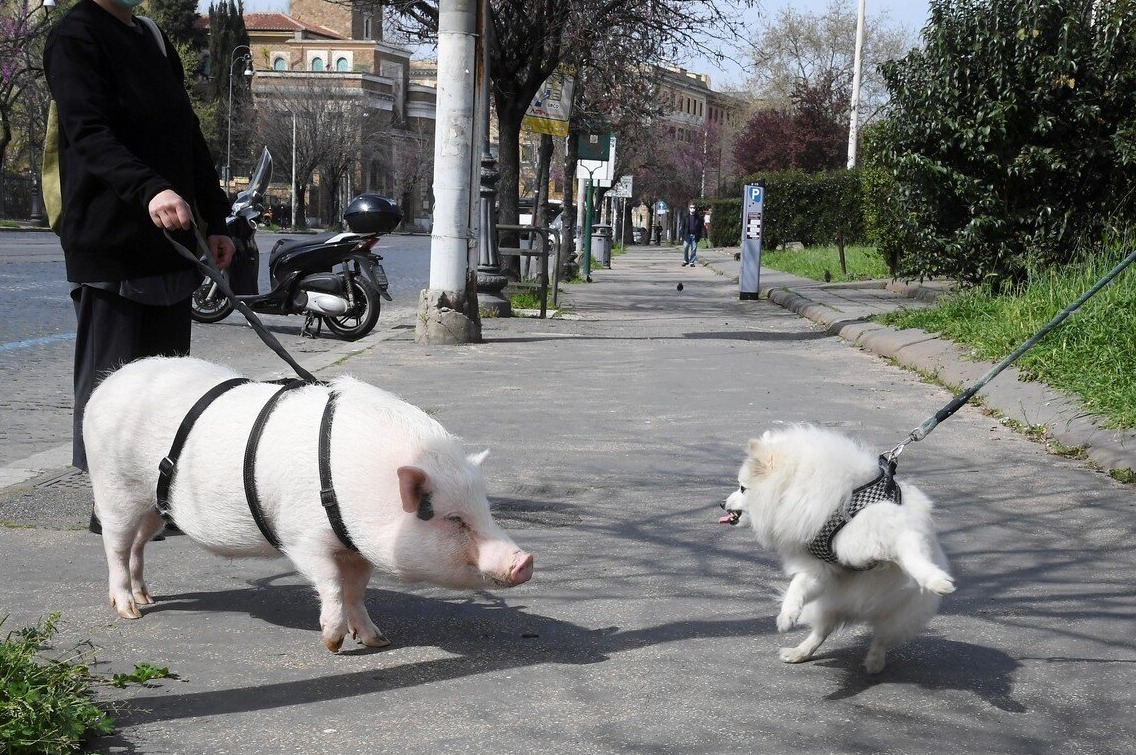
(204,262)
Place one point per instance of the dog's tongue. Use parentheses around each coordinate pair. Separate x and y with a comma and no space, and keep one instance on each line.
(727,519)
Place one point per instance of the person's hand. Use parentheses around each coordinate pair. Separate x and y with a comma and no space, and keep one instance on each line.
(222,249)
(170,212)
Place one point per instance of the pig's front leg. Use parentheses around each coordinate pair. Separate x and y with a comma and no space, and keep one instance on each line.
(356,573)
(338,577)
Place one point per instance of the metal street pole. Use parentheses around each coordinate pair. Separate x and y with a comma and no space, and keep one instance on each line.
(293,171)
(588,210)
(247,58)
(857,65)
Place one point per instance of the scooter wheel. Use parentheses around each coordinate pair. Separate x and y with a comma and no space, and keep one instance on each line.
(205,308)
(360,319)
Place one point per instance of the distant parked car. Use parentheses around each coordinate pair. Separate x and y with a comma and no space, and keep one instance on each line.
(639,235)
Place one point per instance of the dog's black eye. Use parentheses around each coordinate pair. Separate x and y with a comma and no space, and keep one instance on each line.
(742,488)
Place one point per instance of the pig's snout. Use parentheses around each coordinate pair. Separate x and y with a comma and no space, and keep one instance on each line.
(522,569)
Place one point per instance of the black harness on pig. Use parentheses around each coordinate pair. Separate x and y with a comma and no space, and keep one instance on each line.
(168,466)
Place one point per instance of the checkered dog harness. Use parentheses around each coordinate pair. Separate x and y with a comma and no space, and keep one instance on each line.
(880,490)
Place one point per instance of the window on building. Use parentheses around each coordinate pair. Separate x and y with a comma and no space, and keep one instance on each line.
(278,64)
(317,64)
(341,64)
(366,27)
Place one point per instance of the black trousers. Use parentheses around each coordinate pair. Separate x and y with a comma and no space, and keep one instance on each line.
(111,331)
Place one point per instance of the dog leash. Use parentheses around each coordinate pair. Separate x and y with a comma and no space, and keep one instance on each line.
(204,262)
(923,430)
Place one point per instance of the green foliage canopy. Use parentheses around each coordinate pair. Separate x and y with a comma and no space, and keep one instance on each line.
(1011,136)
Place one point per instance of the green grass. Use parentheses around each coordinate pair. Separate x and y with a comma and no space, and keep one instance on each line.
(524,300)
(863,263)
(1092,354)
(46,703)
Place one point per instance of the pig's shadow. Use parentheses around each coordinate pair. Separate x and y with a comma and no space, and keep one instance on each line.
(481,624)
(482,634)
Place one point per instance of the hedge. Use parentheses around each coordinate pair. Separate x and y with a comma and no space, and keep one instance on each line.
(812,208)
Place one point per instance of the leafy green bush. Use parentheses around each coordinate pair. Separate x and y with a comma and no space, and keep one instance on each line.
(1011,137)
(812,208)
(726,222)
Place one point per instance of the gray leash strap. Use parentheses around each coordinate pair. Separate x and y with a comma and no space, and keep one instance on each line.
(956,403)
(205,264)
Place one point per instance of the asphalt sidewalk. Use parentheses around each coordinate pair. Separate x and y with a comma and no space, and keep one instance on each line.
(614,432)
(845,309)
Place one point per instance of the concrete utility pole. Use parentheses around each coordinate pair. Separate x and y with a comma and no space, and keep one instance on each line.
(853,136)
(447,311)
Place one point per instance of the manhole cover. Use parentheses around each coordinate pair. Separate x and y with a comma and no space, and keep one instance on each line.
(73,479)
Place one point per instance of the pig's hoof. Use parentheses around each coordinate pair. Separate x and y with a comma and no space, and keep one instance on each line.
(378,641)
(333,644)
(126,609)
(143,598)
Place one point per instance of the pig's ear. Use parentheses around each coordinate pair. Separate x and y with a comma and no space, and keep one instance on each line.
(412,487)
(479,458)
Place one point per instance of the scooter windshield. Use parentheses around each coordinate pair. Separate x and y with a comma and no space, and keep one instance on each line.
(259,180)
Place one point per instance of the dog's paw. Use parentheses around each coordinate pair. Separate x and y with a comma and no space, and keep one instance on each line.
(875,660)
(786,620)
(794,655)
(940,583)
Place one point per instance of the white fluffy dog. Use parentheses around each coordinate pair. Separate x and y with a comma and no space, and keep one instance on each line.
(884,565)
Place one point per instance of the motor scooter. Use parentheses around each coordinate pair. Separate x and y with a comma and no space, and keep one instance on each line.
(335,280)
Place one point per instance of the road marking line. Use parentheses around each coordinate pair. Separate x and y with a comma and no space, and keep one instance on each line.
(36,341)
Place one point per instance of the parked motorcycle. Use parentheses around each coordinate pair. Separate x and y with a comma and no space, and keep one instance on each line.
(334,280)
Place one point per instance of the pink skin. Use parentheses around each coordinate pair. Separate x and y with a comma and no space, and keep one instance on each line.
(492,553)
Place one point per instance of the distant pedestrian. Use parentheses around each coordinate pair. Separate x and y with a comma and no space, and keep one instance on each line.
(133,161)
(693,229)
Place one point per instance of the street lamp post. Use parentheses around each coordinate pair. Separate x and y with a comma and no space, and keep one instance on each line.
(246,58)
(293,170)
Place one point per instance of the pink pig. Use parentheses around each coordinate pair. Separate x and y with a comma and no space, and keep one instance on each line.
(392,466)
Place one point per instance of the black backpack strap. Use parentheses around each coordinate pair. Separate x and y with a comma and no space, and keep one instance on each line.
(250,460)
(327,490)
(168,466)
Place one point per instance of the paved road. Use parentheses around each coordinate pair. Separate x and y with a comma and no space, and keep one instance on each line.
(648,627)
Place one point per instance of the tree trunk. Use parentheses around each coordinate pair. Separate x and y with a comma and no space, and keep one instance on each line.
(300,222)
(509,116)
(568,229)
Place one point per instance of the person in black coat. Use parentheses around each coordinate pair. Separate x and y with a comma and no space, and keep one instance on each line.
(133,164)
(693,229)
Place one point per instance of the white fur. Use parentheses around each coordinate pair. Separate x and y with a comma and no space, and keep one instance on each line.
(384,454)
(793,480)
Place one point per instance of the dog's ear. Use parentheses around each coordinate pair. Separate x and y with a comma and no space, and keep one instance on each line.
(761,454)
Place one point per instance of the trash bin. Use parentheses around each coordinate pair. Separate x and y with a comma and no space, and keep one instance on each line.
(601,245)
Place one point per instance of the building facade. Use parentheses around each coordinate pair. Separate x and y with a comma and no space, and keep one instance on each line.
(325,67)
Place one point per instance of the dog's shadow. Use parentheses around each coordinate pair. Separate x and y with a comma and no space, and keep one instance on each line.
(933,663)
